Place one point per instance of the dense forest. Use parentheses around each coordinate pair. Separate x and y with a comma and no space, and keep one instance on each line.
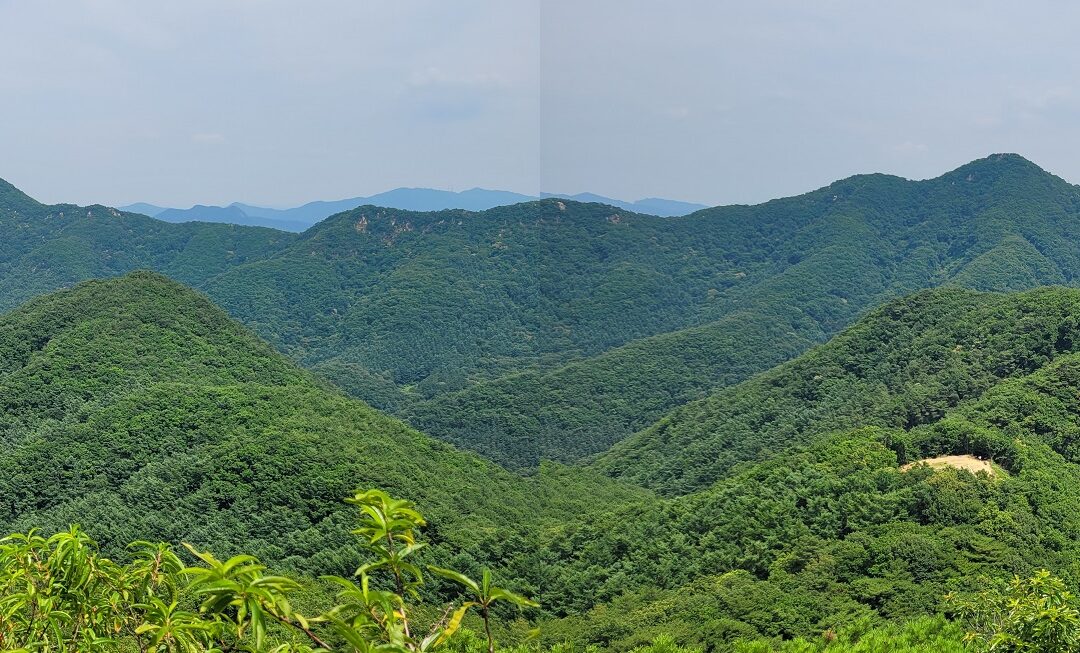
(800,269)
(137,408)
(554,329)
(834,422)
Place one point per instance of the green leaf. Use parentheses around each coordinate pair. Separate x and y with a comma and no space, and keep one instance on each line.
(457,577)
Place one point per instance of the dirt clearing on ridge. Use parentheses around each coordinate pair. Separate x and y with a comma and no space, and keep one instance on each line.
(970,463)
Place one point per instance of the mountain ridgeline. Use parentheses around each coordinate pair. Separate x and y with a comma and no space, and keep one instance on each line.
(794,272)
(554,329)
(49,247)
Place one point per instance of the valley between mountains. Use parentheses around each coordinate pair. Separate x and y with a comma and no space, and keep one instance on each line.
(696,432)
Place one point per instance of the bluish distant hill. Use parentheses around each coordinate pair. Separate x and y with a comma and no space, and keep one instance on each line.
(300,218)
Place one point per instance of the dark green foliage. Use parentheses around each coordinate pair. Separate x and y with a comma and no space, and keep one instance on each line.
(439,300)
(822,534)
(585,407)
(516,331)
(923,635)
(798,269)
(137,406)
(49,247)
(905,364)
(1027,614)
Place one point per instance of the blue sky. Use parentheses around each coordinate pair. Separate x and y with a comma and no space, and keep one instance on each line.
(275,102)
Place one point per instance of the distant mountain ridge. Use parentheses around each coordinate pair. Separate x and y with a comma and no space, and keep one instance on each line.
(300,218)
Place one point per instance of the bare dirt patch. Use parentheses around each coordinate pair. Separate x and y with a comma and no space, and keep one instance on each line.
(970,463)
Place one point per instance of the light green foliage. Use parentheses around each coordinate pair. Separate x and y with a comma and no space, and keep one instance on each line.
(61,593)
(482,594)
(664,644)
(1027,614)
(388,526)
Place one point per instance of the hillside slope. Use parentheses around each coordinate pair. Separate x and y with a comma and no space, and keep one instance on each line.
(799,510)
(136,407)
(139,409)
(806,267)
(45,248)
(586,406)
(906,363)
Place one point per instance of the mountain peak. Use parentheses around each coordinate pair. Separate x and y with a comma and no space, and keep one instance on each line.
(998,165)
(144,324)
(129,294)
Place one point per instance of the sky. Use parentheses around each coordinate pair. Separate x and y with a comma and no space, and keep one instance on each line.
(278,102)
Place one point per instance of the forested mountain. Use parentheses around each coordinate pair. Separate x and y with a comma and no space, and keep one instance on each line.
(432,301)
(231,214)
(795,271)
(136,407)
(49,247)
(585,406)
(554,329)
(832,525)
(299,218)
(905,364)
(650,205)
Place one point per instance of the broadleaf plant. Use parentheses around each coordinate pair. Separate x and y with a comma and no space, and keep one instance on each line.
(60,593)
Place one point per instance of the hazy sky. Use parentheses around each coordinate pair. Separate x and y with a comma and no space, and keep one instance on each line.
(281,102)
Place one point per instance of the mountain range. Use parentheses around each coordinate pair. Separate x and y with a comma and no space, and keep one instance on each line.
(411,199)
(706,427)
(554,329)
